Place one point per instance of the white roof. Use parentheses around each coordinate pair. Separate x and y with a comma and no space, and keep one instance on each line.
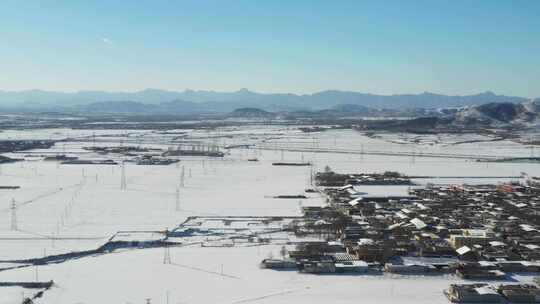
(401,215)
(320,222)
(531,246)
(345,187)
(393,226)
(463,250)
(527,228)
(476,232)
(485,290)
(365,241)
(355,201)
(421,206)
(418,223)
(352,264)
(335,243)
(497,243)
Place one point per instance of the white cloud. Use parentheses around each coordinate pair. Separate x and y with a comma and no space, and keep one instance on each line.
(106,40)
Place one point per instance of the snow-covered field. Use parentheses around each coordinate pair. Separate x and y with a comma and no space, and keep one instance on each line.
(81,206)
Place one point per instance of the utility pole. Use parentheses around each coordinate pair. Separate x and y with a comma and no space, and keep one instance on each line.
(311,175)
(13,215)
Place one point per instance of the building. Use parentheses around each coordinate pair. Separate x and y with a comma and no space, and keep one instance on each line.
(473,293)
(520,293)
(471,237)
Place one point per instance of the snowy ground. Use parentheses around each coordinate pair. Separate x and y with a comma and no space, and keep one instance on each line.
(221,275)
(82,206)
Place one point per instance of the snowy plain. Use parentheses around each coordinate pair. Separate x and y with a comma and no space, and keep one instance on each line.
(81,206)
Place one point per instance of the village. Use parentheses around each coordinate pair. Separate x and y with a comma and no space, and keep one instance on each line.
(475,232)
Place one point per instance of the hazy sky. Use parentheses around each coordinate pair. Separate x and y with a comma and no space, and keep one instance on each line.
(452,47)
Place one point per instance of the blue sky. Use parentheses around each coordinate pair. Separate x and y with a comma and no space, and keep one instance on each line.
(451,47)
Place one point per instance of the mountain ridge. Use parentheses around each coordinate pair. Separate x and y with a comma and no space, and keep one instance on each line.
(228,101)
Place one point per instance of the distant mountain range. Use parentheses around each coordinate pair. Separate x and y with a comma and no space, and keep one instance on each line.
(161,101)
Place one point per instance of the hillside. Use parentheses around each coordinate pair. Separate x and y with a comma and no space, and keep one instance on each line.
(498,114)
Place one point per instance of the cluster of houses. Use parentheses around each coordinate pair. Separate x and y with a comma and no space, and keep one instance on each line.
(333,179)
(22,145)
(124,150)
(477,232)
(195,149)
(485,293)
(149,160)
(141,155)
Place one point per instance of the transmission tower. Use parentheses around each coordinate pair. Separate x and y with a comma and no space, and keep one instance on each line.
(13,215)
(167,255)
(177,199)
(123,183)
(182,177)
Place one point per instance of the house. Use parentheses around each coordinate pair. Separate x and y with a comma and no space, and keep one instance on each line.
(525,293)
(471,237)
(466,253)
(278,264)
(351,266)
(470,273)
(473,293)
(519,266)
(318,267)
(408,268)
(420,265)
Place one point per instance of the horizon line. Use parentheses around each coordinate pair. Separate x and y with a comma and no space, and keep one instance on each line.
(480,92)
